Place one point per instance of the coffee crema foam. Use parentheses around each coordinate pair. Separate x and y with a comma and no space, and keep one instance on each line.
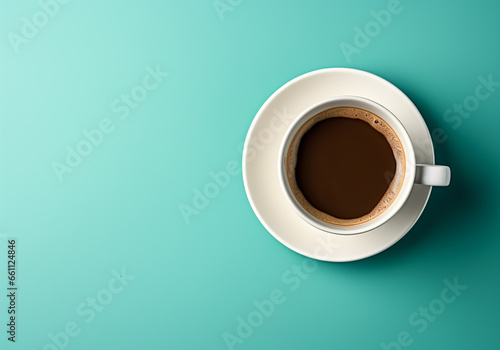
(375,122)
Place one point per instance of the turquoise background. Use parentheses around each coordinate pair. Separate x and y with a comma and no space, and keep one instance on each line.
(119,209)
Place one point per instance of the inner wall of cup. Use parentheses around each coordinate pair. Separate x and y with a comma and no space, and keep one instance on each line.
(382,126)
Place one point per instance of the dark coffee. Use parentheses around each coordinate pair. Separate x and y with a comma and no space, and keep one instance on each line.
(342,165)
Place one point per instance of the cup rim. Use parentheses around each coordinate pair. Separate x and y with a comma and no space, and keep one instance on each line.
(396,125)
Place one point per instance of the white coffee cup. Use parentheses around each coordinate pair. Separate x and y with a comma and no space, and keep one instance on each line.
(424,174)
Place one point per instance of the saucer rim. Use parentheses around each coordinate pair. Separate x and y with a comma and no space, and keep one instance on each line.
(250,132)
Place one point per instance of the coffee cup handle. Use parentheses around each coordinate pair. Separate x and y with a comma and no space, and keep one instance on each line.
(432,175)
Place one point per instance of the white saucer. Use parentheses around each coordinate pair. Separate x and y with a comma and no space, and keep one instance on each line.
(260,164)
